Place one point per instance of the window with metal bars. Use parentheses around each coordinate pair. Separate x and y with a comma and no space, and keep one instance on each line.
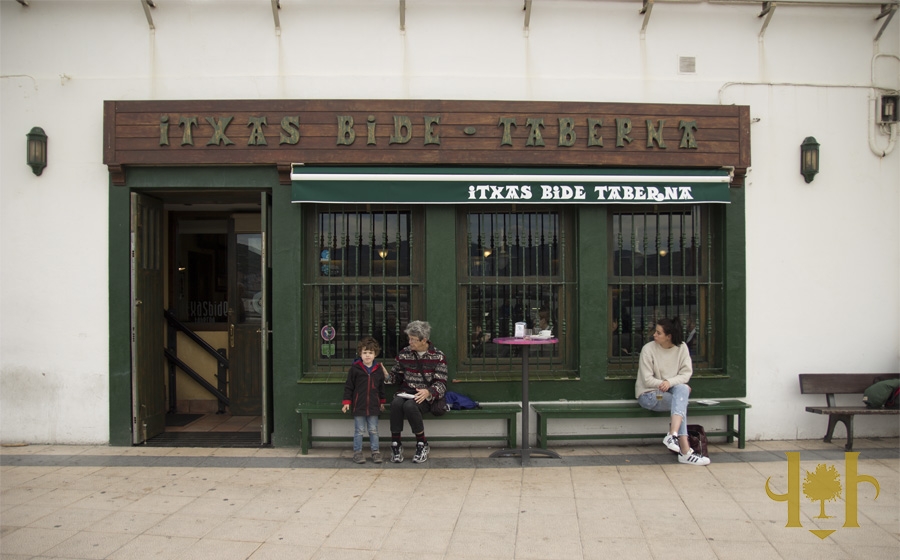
(515,267)
(664,263)
(365,281)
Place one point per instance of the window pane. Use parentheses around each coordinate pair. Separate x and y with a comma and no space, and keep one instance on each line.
(363,282)
(356,311)
(660,267)
(201,278)
(514,272)
(249,277)
(353,244)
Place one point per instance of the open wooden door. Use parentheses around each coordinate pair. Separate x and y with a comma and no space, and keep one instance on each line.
(147,323)
(245,309)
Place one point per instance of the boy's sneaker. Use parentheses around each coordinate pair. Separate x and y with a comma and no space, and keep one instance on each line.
(396,453)
(671,441)
(693,459)
(376,456)
(358,457)
(421,452)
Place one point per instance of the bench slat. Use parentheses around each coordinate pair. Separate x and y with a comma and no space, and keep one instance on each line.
(320,411)
(858,410)
(730,408)
(840,383)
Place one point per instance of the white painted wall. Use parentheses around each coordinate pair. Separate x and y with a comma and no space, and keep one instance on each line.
(823,259)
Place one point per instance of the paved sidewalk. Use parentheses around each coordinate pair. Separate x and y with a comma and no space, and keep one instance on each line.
(603,501)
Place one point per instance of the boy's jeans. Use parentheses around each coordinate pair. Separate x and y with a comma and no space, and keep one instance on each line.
(365,424)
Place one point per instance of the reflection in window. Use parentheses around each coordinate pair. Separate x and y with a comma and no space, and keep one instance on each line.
(662,266)
(201,277)
(249,277)
(515,271)
(363,282)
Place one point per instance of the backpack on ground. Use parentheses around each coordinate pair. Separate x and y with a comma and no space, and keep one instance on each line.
(883,394)
(697,439)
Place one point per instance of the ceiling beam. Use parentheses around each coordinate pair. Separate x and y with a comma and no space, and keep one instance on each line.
(648,7)
(276,5)
(768,9)
(886,10)
(147,4)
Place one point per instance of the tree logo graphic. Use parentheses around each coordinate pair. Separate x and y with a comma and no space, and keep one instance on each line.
(822,485)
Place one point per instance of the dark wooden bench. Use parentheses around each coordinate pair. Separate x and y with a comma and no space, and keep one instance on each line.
(831,384)
(730,408)
(488,411)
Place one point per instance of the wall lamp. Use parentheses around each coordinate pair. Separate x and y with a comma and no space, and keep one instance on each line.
(383,253)
(36,153)
(809,158)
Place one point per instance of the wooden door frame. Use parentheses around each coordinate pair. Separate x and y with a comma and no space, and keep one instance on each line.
(157,181)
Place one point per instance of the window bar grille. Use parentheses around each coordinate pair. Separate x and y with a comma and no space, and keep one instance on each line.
(645,321)
(358,300)
(330,315)
(709,317)
(315,317)
(485,223)
(470,309)
(511,235)
(397,259)
(397,246)
(562,325)
(342,250)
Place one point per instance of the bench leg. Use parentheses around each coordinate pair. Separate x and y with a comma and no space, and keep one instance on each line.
(849,423)
(305,428)
(729,427)
(847,419)
(539,435)
(742,432)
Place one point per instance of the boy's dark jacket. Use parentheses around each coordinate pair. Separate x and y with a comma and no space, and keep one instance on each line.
(364,391)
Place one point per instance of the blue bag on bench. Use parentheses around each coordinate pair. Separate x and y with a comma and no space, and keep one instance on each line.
(459,402)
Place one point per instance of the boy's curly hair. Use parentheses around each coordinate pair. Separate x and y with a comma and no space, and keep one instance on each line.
(368,343)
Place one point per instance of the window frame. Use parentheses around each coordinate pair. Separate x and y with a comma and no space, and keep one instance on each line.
(711,279)
(314,369)
(543,364)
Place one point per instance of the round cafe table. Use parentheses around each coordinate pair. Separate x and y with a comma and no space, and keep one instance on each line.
(525,451)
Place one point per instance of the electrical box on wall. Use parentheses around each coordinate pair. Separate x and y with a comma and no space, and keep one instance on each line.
(887,109)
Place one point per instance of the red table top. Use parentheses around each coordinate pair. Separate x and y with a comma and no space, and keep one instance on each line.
(524,341)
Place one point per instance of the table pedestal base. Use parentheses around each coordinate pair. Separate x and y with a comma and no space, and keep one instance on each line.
(525,454)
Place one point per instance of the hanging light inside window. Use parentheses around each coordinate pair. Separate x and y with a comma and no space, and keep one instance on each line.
(809,158)
(36,150)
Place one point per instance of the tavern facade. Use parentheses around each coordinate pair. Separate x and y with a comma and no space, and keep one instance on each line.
(240,245)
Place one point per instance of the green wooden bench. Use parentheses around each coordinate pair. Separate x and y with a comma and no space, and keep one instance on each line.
(830,384)
(318,411)
(730,408)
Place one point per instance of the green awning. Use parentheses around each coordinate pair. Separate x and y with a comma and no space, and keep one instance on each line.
(372,185)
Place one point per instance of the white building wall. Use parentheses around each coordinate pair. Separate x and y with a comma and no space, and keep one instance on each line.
(823,259)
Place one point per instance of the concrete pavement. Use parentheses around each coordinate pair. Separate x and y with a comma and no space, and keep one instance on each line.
(597,501)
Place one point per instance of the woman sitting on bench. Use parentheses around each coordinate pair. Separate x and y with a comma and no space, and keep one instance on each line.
(665,368)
